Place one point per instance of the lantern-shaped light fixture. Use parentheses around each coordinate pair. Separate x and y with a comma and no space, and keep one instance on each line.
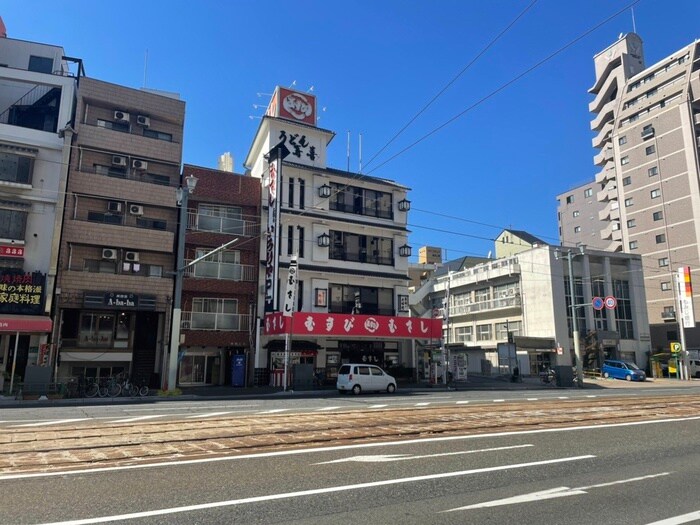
(404,205)
(324,191)
(405,250)
(324,240)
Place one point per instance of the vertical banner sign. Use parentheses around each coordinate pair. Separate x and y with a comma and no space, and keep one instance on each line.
(685,294)
(271,261)
(291,293)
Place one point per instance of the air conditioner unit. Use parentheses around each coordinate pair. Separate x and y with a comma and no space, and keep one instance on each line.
(135,209)
(143,121)
(109,253)
(121,116)
(118,160)
(131,256)
(139,164)
(115,207)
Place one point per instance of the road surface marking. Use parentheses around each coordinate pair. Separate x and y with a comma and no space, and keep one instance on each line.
(563,397)
(677,520)
(591,396)
(313,492)
(383,458)
(185,406)
(422,404)
(462,402)
(558,492)
(137,418)
(533,399)
(499,400)
(54,422)
(281,453)
(275,411)
(377,406)
(210,414)
(328,408)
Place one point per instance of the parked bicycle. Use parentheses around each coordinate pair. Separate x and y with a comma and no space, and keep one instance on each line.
(109,387)
(128,388)
(548,376)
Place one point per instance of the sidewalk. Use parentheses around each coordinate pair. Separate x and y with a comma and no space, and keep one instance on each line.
(475,383)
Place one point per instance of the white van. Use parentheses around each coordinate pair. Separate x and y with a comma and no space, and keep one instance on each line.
(357,378)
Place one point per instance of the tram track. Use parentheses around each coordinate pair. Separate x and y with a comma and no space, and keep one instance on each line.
(88,444)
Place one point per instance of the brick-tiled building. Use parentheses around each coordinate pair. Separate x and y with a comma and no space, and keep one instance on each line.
(114,282)
(219,293)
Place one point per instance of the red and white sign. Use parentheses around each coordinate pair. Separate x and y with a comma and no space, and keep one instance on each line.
(11,251)
(320,324)
(610,302)
(292,105)
(685,297)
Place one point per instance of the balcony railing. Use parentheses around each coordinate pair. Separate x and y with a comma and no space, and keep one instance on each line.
(483,306)
(362,210)
(228,225)
(214,321)
(220,270)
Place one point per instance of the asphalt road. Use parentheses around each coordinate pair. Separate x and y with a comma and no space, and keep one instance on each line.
(617,474)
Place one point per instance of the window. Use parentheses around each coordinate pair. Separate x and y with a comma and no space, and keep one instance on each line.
(16,168)
(634,245)
(631,223)
(661,238)
(577,229)
(502,329)
(372,301)
(570,199)
(361,248)
(623,311)
(96,329)
(40,64)
(650,149)
(625,160)
(658,215)
(463,334)
(655,194)
(588,192)
(158,135)
(361,201)
(627,181)
(629,201)
(116,126)
(110,171)
(483,332)
(215,314)
(301,242)
(290,240)
(663,261)
(151,224)
(221,219)
(302,188)
(576,213)
(106,218)
(653,171)
(666,286)
(622,140)
(290,202)
(225,264)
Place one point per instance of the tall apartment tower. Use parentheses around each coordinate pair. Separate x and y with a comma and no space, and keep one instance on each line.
(647,121)
(116,258)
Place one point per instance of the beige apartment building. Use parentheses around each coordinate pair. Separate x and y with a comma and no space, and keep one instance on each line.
(115,282)
(646,121)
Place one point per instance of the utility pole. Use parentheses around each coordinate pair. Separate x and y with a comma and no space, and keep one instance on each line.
(574,321)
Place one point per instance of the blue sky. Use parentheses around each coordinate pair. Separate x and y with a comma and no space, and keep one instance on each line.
(374,65)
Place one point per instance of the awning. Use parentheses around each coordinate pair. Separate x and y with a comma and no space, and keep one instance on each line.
(24,323)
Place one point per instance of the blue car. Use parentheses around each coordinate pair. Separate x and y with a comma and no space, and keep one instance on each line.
(622,370)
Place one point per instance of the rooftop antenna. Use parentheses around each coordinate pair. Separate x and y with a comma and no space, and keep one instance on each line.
(145,68)
(294,83)
(348,152)
(634,24)
(310,89)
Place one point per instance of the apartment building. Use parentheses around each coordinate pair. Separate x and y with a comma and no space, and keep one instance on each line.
(525,299)
(115,283)
(578,216)
(335,275)
(218,326)
(36,111)
(646,121)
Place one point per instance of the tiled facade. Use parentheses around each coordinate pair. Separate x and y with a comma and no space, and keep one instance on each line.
(115,284)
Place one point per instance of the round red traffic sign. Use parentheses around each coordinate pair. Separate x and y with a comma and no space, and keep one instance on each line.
(610,302)
(598,303)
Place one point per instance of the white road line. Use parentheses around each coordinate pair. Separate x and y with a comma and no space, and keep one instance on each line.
(462,402)
(313,492)
(591,396)
(499,400)
(533,399)
(327,408)
(54,422)
(183,406)
(422,404)
(210,414)
(275,411)
(281,453)
(563,397)
(383,458)
(137,418)
(377,406)
(677,520)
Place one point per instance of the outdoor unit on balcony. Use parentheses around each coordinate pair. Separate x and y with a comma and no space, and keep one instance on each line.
(118,160)
(114,207)
(144,121)
(109,253)
(131,256)
(135,209)
(121,116)
(139,164)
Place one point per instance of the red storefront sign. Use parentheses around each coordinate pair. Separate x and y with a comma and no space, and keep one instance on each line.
(293,105)
(306,323)
(25,323)
(11,251)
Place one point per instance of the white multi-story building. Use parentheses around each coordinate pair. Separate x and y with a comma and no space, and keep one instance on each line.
(348,234)
(36,111)
(525,298)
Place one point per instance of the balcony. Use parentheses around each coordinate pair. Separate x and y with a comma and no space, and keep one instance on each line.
(486,306)
(480,273)
(367,211)
(603,156)
(226,225)
(605,115)
(608,192)
(605,175)
(214,321)
(611,212)
(603,136)
(612,232)
(221,270)
(614,246)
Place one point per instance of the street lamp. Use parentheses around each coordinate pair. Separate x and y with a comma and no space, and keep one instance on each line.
(182,195)
(574,321)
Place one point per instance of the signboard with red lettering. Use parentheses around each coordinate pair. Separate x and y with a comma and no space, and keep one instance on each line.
(292,105)
(353,325)
(11,251)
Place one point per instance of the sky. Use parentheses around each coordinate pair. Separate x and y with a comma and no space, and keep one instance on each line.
(496,91)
